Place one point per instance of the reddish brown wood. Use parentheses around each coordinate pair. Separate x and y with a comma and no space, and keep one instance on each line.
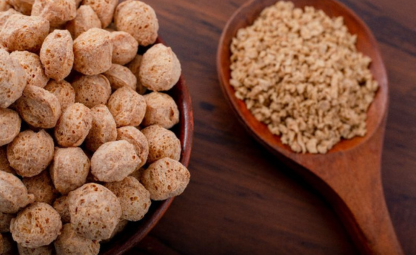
(349,174)
(136,231)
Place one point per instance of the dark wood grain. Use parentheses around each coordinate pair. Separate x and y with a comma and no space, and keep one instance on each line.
(241,199)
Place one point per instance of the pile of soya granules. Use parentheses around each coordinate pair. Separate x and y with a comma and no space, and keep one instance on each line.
(299,72)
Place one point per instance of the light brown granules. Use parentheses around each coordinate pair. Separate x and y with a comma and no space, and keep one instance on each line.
(299,72)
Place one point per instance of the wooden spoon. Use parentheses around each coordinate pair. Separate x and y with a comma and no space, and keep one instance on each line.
(349,174)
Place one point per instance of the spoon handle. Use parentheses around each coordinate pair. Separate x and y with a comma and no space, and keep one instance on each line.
(369,224)
(351,181)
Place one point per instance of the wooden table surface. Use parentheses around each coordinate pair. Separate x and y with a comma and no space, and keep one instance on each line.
(241,200)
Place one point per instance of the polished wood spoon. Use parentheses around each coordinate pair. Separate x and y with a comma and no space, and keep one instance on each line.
(349,174)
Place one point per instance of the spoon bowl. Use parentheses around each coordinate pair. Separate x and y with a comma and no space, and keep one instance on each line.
(349,174)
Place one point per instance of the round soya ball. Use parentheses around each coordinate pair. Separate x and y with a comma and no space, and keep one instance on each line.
(162,143)
(39,107)
(92,90)
(57,55)
(104,9)
(93,52)
(13,194)
(137,19)
(160,69)
(139,141)
(10,125)
(133,196)
(63,91)
(69,169)
(41,187)
(73,126)
(120,76)
(37,225)
(161,109)
(24,32)
(30,63)
(86,18)
(124,47)
(114,161)
(104,128)
(95,211)
(13,80)
(56,12)
(127,107)
(69,242)
(165,178)
(30,153)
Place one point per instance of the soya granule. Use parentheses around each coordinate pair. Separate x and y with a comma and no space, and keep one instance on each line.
(299,72)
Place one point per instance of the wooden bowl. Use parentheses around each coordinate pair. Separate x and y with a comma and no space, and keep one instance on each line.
(349,174)
(136,231)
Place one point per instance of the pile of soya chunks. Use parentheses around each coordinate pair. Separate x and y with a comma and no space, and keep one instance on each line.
(85,144)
